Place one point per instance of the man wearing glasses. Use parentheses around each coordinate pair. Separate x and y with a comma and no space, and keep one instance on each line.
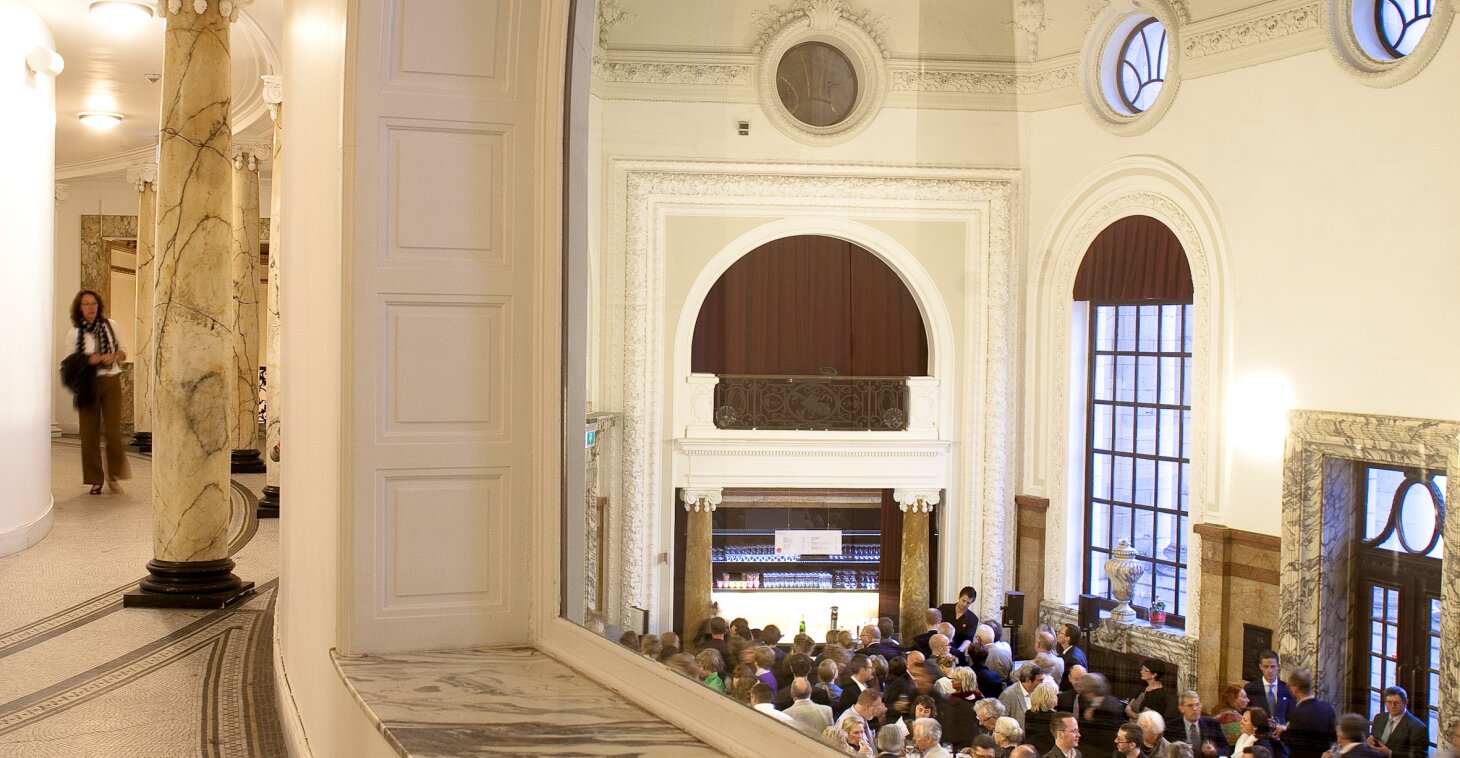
(1128,740)
(1066,736)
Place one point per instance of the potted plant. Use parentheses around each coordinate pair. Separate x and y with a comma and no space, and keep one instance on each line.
(1158,612)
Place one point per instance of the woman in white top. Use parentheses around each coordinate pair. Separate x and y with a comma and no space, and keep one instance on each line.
(95,336)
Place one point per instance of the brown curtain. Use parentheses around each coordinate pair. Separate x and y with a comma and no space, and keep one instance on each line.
(802,304)
(1135,258)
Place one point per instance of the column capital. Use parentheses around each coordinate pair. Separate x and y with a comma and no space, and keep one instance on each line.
(142,174)
(63,191)
(227,8)
(250,153)
(700,498)
(273,93)
(916,501)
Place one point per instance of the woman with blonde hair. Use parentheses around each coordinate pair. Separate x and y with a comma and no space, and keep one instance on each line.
(95,336)
(1042,702)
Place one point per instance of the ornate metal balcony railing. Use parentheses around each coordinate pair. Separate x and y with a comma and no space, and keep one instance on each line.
(822,403)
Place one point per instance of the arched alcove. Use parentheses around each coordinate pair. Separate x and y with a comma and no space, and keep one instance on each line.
(810,304)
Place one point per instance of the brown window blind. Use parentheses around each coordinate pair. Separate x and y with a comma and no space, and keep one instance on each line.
(1136,258)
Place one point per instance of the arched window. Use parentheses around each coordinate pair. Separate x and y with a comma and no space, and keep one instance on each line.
(1400,24)
(1137,283)
(1142,65)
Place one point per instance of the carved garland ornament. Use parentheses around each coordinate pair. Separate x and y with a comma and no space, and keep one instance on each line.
(643,330)
(1256,31)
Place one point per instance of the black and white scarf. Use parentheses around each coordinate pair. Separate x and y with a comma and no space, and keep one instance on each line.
(99,329)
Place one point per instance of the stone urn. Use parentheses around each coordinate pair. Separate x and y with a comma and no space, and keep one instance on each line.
(1124,570)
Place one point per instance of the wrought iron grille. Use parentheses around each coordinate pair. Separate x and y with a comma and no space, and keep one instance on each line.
(821,403)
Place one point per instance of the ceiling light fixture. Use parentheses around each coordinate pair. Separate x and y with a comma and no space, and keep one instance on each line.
(99,120)
(125,14)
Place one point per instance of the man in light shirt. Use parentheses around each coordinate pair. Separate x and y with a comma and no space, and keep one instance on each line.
(761,699)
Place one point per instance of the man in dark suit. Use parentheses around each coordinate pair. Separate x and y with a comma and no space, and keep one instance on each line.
(872,643)
(1066,736)
(858,677)
(1203,733)
(1352,730)
(1067,641)
(1269,692)
(1311,722)
(1397,733)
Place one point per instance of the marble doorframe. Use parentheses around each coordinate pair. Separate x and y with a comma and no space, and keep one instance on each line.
(1319,498)
(97,233)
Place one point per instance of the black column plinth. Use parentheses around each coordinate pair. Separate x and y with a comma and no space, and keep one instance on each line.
(142,441)
(247,462)
(188,584)
(269,502)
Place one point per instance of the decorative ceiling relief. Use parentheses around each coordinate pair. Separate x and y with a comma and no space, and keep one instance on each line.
(1029,20)
(822,70)
(610,14)
(1257,30)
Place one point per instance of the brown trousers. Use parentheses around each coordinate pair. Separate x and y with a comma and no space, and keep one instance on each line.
(104,418)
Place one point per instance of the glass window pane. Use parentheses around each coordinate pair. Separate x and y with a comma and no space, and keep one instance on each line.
(1121,480)
(1373,701)
(1099,584)
(1169,433)
(1166,524)
(1166,484)
(1170,393)
(1102,427)
(1377,609)
(1125,428)
(1170,328)
(1125,334)
(1417,517)
(1104,327)
(1120,523)
(1391,640)
(1146,369)
(1185,435)
(1100,524)
(1391,606)
(1145,531)
(1379,498)
(1185,488)
(1186,381)
(1145,481)
(1104,377)
(1376,637)
(1188,326)
(1146,431)
(1149,338)
(1125,378)
(1100,475)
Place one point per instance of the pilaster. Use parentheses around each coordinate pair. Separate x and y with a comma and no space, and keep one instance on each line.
(914,601)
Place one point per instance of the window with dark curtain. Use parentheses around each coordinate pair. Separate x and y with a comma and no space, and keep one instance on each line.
(810,305)
(1138,410)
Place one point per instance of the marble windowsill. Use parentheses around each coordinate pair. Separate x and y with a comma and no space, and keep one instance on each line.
(502,701)
(1139,638)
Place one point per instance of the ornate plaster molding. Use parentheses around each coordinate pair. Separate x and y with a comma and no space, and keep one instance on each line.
(640,189)
(273,93)
(142,175)
(227,8)
(1029,20)
(820,16)
(249,154)
(637,72)
(1274,26)
(1358,55)
(698,499)
(63,193)
(610,13)
(916,501)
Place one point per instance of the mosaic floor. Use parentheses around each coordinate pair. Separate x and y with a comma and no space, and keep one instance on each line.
(80,676)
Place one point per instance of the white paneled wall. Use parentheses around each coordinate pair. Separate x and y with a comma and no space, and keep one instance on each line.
(446,246)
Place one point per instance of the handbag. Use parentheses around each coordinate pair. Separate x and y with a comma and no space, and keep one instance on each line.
(79,376)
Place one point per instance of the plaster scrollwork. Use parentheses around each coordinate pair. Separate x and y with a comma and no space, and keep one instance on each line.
(142,175)
(273,93)
(1099,60)
(697,499)
(916,501)
(227,8)
(932,80)
(1255,31)
(645,185)
(63,193)
(821,16)
(610,13)
(1029,20)
(634,72)
(248,154)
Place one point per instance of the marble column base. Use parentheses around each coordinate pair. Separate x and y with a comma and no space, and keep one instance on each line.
(142,441)
(248,461)
(269,503)
(188,584)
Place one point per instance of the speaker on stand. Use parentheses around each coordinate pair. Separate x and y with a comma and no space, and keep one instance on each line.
(1013,610)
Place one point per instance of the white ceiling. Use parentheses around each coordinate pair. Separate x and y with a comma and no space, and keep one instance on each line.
(106,70)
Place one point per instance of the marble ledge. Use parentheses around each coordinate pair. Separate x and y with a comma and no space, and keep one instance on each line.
(502,701)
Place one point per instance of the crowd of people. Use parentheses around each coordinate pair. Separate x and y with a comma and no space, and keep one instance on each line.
(955,687)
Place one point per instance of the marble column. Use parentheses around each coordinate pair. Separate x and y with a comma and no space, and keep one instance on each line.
(243,416)
(144,176)
(191,498)
(271,498)
(700,503)
(914,596)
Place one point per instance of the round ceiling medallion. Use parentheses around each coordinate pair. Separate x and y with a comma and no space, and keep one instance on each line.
(817,84)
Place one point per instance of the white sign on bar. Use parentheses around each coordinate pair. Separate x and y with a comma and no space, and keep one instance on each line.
(808,542)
